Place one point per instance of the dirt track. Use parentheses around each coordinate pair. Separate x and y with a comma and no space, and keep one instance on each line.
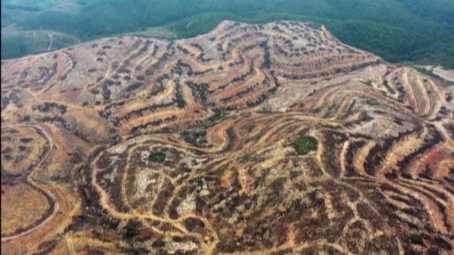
(35,185)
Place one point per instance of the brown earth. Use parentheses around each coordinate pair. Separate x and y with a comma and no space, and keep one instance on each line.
(225,109)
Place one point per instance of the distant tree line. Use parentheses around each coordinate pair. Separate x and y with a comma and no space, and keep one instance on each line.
(398,30)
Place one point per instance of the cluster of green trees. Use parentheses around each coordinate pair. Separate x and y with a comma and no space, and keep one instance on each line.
(398,30)
(21,43)
(305,144)
(157,157)
(11,47)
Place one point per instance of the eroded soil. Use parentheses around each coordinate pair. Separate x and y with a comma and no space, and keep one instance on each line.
(225,109)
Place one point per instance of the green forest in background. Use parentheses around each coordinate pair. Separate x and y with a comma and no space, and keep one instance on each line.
(419,31)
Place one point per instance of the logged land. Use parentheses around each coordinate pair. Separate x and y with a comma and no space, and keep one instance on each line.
(274,138)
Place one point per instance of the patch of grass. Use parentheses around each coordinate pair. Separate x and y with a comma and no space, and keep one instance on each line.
(372,102)
(362,117)
(245,158)
(248,127)
(267,61)
(417,238)
(264,109)
(330,126)
(157,157)
(317,110)
(88,200)
(180,101)
(219,114)
(390,90)
(426,72)
(199,183)
(304,145)
(431,74)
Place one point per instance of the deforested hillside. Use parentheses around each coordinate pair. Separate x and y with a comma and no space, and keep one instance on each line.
(272,138)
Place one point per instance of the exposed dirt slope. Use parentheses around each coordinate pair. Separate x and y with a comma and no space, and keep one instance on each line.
(188,147)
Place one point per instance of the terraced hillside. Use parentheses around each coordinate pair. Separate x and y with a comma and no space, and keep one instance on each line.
(252,139)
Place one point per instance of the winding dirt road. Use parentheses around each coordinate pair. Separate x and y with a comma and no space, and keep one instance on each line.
(35,185)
